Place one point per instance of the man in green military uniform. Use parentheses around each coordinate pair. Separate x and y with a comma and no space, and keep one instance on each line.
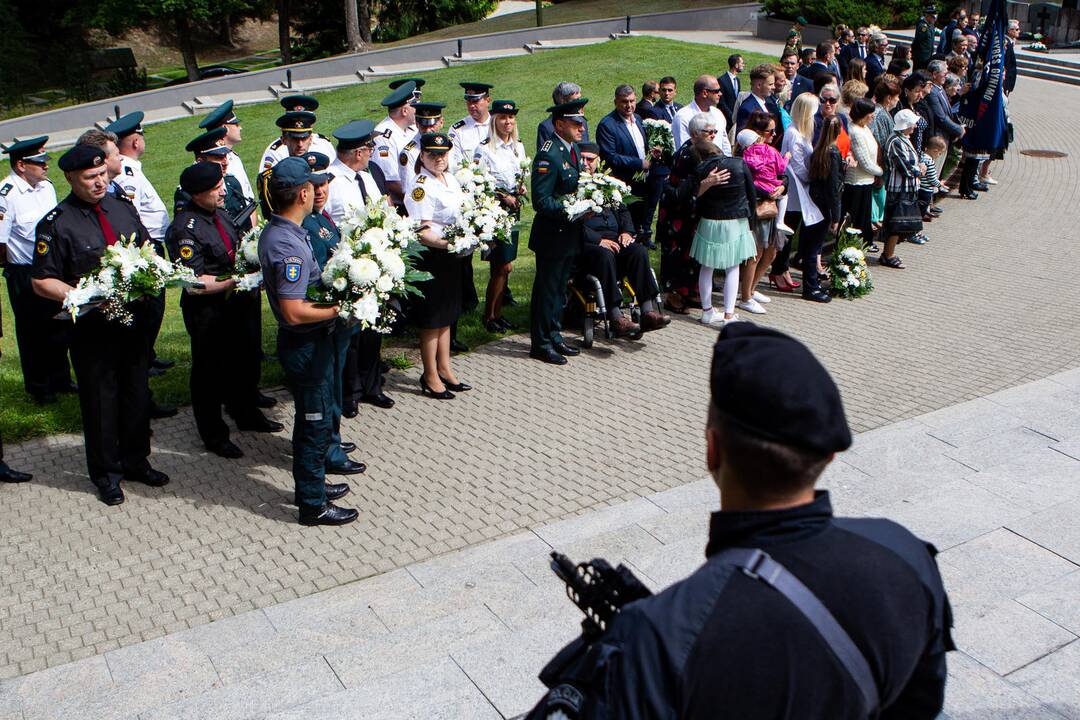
(922,45)
(794,37)
(211,147)
(554,239)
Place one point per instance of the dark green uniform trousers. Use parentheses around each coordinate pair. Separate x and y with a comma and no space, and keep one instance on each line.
(343,334)
(549,299)
(310,363)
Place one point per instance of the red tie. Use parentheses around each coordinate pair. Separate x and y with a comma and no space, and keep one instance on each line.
(224,237)
(330,219)
(573,156)
(106,227)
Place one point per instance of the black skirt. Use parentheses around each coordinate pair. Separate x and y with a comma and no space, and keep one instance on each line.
(440,305)
(857,201)
(501,253)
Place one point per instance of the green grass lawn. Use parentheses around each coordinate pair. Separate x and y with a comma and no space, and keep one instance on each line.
(597,68)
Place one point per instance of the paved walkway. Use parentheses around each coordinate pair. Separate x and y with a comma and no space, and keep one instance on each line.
(986,306)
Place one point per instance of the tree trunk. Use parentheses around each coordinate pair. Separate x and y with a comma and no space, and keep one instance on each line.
(365,20)
(225,31)
(352,27)
(283,31)
(187,48)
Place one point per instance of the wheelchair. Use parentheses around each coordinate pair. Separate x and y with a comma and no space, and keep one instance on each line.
(586,307)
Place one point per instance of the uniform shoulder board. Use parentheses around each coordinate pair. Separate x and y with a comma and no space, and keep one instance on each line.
(410,145)
(191,223)
(546,146)
(276,144)
(125,197)
(53,214)
(6,189)
(129,171)
(318,134)
(421,178)
(387,133)
(458,125)
(485,141)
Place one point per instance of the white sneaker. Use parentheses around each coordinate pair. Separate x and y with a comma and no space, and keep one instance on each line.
(761,297)
(784,228)
(734,319)
(751,306)
(712,317)
(989,180)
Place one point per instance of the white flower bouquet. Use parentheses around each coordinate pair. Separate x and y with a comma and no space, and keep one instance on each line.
(247,270)
(595,191)
(128,272)
(658,134)
(374,262)
(483,219)
(524,172)
(850,276)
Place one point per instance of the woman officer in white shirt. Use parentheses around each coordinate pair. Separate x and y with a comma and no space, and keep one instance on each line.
(435,202)
(505,157)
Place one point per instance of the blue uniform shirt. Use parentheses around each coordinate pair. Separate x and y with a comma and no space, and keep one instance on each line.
(323,236)
(289,268)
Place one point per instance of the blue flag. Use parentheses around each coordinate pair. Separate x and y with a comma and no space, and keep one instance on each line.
(982,110)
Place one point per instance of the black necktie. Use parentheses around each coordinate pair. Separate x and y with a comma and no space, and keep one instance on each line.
(363,190)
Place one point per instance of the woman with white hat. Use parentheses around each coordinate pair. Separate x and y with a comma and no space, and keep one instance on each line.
(902,215)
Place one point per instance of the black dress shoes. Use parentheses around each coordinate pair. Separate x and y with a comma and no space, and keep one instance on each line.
(969,196)
(226,449)
(265,401)
(350,467)
(45,398)
(425,389)
(384,367)
(162,364)
(980,187)
(566,350)
(349,409)
(456,387)
(507,326)
(333,492)
(458,346)
(159,412)
(493,326)
(328,514)
(152,477)
(548,355)
(817,295)
(69,387)
(348,447)
(259,423)
(111,494)
(381,400)
(13,476)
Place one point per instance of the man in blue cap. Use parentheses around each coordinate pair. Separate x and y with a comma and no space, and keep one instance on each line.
(224,116)
(554,238)
(297,108)
(26,196)
(391,135)
(111,359)
(305,341)
(155,218)
(474,128)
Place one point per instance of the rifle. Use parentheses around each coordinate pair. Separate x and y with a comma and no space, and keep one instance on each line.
(244,215)
(598,589)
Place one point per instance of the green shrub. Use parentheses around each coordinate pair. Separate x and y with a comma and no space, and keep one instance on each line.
(884,13)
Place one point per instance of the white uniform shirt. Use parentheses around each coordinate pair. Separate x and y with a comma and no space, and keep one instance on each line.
(467,134)
(21,206)
(345,190)
(236,169)
(430,199)
(277,151)
(389,139)
(503,159)
(680,128)
(152,211)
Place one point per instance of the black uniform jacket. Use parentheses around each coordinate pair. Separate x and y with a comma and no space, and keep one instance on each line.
(721,644)
(607,225)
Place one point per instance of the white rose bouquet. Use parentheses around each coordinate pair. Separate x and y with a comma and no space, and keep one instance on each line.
(374,262)
(483,219)
(850,276)
(596,191)
(247,271)
(658,134)
(128,272)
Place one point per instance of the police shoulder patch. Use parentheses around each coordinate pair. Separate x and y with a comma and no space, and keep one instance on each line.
(42,247)
(129,171)
(6,189)
(458,125)
(384,151)
(187,249)
(293,265)
(546,146)
(418,194)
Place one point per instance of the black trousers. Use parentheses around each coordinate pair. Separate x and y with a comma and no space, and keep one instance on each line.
(811,240)
(43,342)
(248,309)
(654,187)
(968,169)
(111,363)
(220,359)
(632,263)
(782,262)
(363,375)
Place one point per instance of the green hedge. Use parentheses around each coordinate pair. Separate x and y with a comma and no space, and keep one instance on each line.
(884,13)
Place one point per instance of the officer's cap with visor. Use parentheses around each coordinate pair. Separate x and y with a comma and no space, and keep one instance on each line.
(127,124)
(930,10)
(418,82)
(354,134)
(297,123)
(221,115)
(31,150)
(300,102)
(209,143)
(428,113)
(572,110)
(437,143)
(504,107)
(200,177)
(401,95)
(476,90)
(81,157)
(318,164)
(290,172)
(771,386)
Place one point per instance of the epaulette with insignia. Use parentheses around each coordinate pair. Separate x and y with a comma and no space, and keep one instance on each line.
(458,125)
(484,141)
(388,133)
(129,171)
(191,223)
(421,178)
(276,144)
(546,146)
(6,189)
(125,197)
(53,214)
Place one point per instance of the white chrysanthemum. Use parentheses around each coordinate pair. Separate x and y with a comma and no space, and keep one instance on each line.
(363,272)
(366,309)
(339,284)
(384,284)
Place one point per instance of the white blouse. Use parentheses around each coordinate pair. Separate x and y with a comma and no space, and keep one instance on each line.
(503,159)
(798,172)
(434,200)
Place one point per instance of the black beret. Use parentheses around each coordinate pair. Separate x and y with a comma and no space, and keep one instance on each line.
(770,385)
(200,177)
(81,157)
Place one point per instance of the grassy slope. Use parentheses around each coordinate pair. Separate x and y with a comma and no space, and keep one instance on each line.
(598,69)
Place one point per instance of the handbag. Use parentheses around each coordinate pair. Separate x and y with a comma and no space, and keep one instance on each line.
(905,217)
(767,209)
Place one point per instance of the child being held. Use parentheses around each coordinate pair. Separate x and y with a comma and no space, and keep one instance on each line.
(767,167)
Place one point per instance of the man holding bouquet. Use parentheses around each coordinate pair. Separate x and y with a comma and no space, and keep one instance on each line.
(111,359)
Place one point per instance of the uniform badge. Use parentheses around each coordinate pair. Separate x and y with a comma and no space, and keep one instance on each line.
(292,268)
(403,158)
(418,194)
(42,247)
(186,251)
(384,151)
(324,233)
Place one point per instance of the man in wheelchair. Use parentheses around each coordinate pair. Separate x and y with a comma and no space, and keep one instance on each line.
(610,254)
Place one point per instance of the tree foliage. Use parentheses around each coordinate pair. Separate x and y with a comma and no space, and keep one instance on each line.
(883,13)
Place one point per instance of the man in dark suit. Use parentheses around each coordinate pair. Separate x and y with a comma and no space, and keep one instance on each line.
(624,149)
(939,104)
(563,93)
(666,107)
(650,93)
(875,61)
(1011,34)
(858,49)
(761,99)
(807,56)
(730,87)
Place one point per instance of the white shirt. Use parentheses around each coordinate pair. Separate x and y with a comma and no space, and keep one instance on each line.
(503,159)
(798,171)
(277,151)
(21,207)
(152,211)
(236,169)
(345,190)
(439,202)
(389,139)
(635,136)
(680,128)
(467,134)
(734,81)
